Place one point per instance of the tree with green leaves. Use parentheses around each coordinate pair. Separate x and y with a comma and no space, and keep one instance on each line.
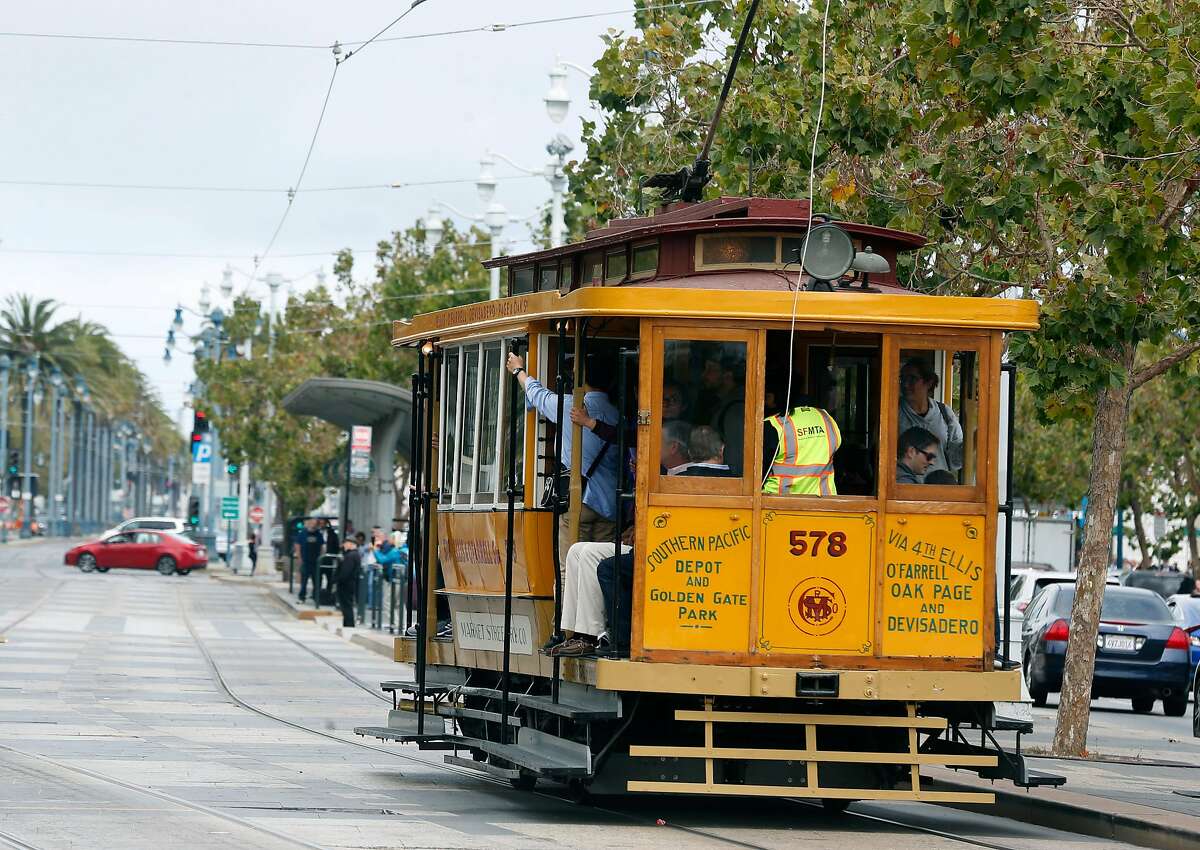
(1047,146)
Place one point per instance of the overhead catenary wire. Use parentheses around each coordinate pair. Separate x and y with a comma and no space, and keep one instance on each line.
(262,190)
(812,168)
(356,45)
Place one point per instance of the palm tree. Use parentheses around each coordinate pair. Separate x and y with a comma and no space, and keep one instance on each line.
(27,327)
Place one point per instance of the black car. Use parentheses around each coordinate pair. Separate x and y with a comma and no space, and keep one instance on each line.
(1165,583)
(1141,653)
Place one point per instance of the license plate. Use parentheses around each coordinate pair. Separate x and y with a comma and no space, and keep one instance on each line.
(1124,642)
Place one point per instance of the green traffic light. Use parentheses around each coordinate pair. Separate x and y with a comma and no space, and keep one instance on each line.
(232,469)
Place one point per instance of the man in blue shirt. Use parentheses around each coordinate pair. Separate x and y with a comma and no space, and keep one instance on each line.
(598,513)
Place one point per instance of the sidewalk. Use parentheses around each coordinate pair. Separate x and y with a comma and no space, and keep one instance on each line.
(328,618)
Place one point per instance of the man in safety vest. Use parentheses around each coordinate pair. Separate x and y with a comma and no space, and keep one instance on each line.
(798,450)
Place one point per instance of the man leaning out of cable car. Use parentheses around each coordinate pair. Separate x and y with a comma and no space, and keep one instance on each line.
(598,512)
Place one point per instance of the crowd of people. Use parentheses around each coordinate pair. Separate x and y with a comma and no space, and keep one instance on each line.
(387,552)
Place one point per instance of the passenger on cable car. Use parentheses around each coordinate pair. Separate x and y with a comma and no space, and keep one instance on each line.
(598,512)
(674,456)
(707,450)
(798,447)
(919,409)
(916,452)
(582,624)
(939,476)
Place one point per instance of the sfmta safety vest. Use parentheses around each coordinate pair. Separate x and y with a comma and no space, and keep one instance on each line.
(803,462)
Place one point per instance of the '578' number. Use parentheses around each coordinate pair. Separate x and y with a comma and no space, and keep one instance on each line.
(810,542)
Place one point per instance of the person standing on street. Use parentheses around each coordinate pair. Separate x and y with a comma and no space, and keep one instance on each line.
(308,549)
(346,580)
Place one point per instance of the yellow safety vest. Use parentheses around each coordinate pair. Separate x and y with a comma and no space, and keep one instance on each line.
(804,460)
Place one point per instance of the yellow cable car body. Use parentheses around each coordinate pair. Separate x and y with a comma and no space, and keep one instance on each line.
(790,645)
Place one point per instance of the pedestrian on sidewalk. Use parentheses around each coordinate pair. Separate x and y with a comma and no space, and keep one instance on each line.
(308,550)
(252,550)
(346,580)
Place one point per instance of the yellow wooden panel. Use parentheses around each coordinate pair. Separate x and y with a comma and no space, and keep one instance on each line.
(817,593)
(697,580)
(472,551)
(934,603)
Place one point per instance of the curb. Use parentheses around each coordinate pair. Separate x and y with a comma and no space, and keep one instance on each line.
(1083,814)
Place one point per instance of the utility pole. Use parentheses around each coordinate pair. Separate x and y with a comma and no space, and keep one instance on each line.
(5,366)
(31,377)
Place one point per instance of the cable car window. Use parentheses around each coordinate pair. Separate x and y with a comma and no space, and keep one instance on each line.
(547,278)
(645,260)
(616,265)
(737,250)
(703,408)
(522,280)
(937,429)
(466,453)
(450,399)
(489,425)
(568,274)
(593,269)
(825,441)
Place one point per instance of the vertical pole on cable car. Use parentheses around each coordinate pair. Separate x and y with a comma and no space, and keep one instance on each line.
(429,561)
(427,478)
(1007,506)
(514,410)
(624,358)
(414,510)
(414,529)
(560,388)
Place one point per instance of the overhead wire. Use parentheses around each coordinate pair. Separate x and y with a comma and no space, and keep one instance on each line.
(262,190)
(484,28)
(812,168)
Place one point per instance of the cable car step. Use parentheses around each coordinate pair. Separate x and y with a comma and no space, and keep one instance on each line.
(484,767)
(1041,779)
(580,704)
(475,714)
(536,752)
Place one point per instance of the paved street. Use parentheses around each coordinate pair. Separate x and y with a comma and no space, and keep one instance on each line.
(115,732)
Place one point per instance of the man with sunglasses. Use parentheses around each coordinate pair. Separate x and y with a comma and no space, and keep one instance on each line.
(916,453)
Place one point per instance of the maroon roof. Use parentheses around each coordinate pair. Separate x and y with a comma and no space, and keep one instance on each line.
(729,213)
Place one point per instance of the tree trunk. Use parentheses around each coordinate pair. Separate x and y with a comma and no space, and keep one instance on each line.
(1108,449)
(1135,505)
(1193,555)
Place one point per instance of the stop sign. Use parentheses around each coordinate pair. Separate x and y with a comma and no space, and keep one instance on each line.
(256,514)
(4,504)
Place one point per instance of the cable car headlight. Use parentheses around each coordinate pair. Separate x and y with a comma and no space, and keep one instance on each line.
(828,253)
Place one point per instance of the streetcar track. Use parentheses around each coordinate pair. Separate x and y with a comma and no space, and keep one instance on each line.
(11,840)
(159,795)
(626,815)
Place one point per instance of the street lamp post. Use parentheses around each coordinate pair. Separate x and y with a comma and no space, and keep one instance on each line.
(5,366)
(558,148)
(31,378)
(54,483)
(494,218)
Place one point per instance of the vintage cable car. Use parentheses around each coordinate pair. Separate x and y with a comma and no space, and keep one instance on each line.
(825,642)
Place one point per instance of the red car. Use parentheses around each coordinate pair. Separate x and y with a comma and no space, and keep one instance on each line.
(166,552)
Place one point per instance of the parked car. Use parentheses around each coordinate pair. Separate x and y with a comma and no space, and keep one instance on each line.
(1165,583)
(1186,611)
(150,523)
(164,551)
(1027,583)
(1141,652)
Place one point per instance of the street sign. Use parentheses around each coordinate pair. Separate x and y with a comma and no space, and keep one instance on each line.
(5,504)
(256,514)
(202,452)
(229,507)
(360,452)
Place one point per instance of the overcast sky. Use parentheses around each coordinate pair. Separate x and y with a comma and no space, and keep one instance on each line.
(112,112)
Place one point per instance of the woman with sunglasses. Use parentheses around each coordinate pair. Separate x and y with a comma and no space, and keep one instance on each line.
(919,409)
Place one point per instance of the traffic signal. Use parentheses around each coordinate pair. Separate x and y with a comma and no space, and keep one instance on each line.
(231,468)
(14,462)
(194,512)
(199,422)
